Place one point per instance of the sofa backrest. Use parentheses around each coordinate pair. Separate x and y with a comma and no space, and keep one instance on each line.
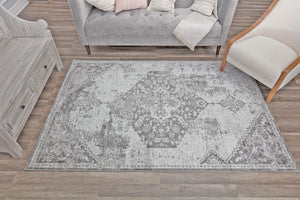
(226,9)
(181,3)
(222,5)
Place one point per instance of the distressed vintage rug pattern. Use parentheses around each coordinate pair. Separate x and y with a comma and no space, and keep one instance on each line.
(142,115)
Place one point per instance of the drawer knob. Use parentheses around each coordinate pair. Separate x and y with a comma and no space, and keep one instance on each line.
(45,66)
(23,107)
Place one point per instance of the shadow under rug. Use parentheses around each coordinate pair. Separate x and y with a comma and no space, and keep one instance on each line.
(159,115)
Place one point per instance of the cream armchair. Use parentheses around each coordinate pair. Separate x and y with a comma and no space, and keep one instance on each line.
(269,50)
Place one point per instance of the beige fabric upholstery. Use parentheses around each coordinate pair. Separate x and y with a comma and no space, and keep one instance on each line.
(205,7)
(266,51)
(194,27)
(262,57)
(281,24)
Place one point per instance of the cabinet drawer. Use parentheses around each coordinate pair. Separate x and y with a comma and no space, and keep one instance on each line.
(16,116)
(44,68)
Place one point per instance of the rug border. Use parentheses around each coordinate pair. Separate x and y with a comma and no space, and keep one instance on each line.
(202,170)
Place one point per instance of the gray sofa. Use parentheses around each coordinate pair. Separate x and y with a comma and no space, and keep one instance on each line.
(143,27)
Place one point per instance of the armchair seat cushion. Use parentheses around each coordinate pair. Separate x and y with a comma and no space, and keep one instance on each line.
(262,57)
(138,27)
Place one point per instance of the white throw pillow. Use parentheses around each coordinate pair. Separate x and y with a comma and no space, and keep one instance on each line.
(105,5)
(162,5)
(205,7)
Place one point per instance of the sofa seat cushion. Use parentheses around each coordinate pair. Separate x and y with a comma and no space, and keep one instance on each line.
(262,57)
(137,27)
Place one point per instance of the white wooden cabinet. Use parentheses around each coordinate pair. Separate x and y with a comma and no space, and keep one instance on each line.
(28,56)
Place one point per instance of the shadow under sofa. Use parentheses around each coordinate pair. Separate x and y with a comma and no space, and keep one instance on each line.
(143,27)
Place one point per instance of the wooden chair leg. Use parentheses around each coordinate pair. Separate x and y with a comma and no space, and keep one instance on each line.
(87,47)
(281,79)
(224,63)
(218,50)
(271,95)
(276,87)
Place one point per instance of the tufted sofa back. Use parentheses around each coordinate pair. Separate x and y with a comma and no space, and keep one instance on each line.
(226,9)
(181,3)
(222,6)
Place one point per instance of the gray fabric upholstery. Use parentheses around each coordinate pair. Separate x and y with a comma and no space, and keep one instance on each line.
(150,27)
(226,10)
(80,11)
(143,27)
(181,3)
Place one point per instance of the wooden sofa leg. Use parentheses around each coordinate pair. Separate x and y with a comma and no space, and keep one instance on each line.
(87,47)
(295,78)
(218,51)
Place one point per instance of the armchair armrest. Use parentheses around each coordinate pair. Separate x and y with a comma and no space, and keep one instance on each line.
(291,66)
(80,11)
(22,28)
(282,77)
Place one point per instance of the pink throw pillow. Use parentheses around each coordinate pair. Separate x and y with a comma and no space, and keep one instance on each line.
(129,5)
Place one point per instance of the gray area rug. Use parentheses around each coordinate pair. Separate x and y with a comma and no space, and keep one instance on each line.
(158,115)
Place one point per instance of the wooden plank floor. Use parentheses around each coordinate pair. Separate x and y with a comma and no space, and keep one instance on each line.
(15,183)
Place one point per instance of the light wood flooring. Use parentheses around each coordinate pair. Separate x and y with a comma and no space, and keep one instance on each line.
(15,183)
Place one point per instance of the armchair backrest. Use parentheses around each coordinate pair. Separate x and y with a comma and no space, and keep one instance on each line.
(283,24)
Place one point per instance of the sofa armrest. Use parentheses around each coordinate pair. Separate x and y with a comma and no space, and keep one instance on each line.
(225,18)
(80,11)
(22,28)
